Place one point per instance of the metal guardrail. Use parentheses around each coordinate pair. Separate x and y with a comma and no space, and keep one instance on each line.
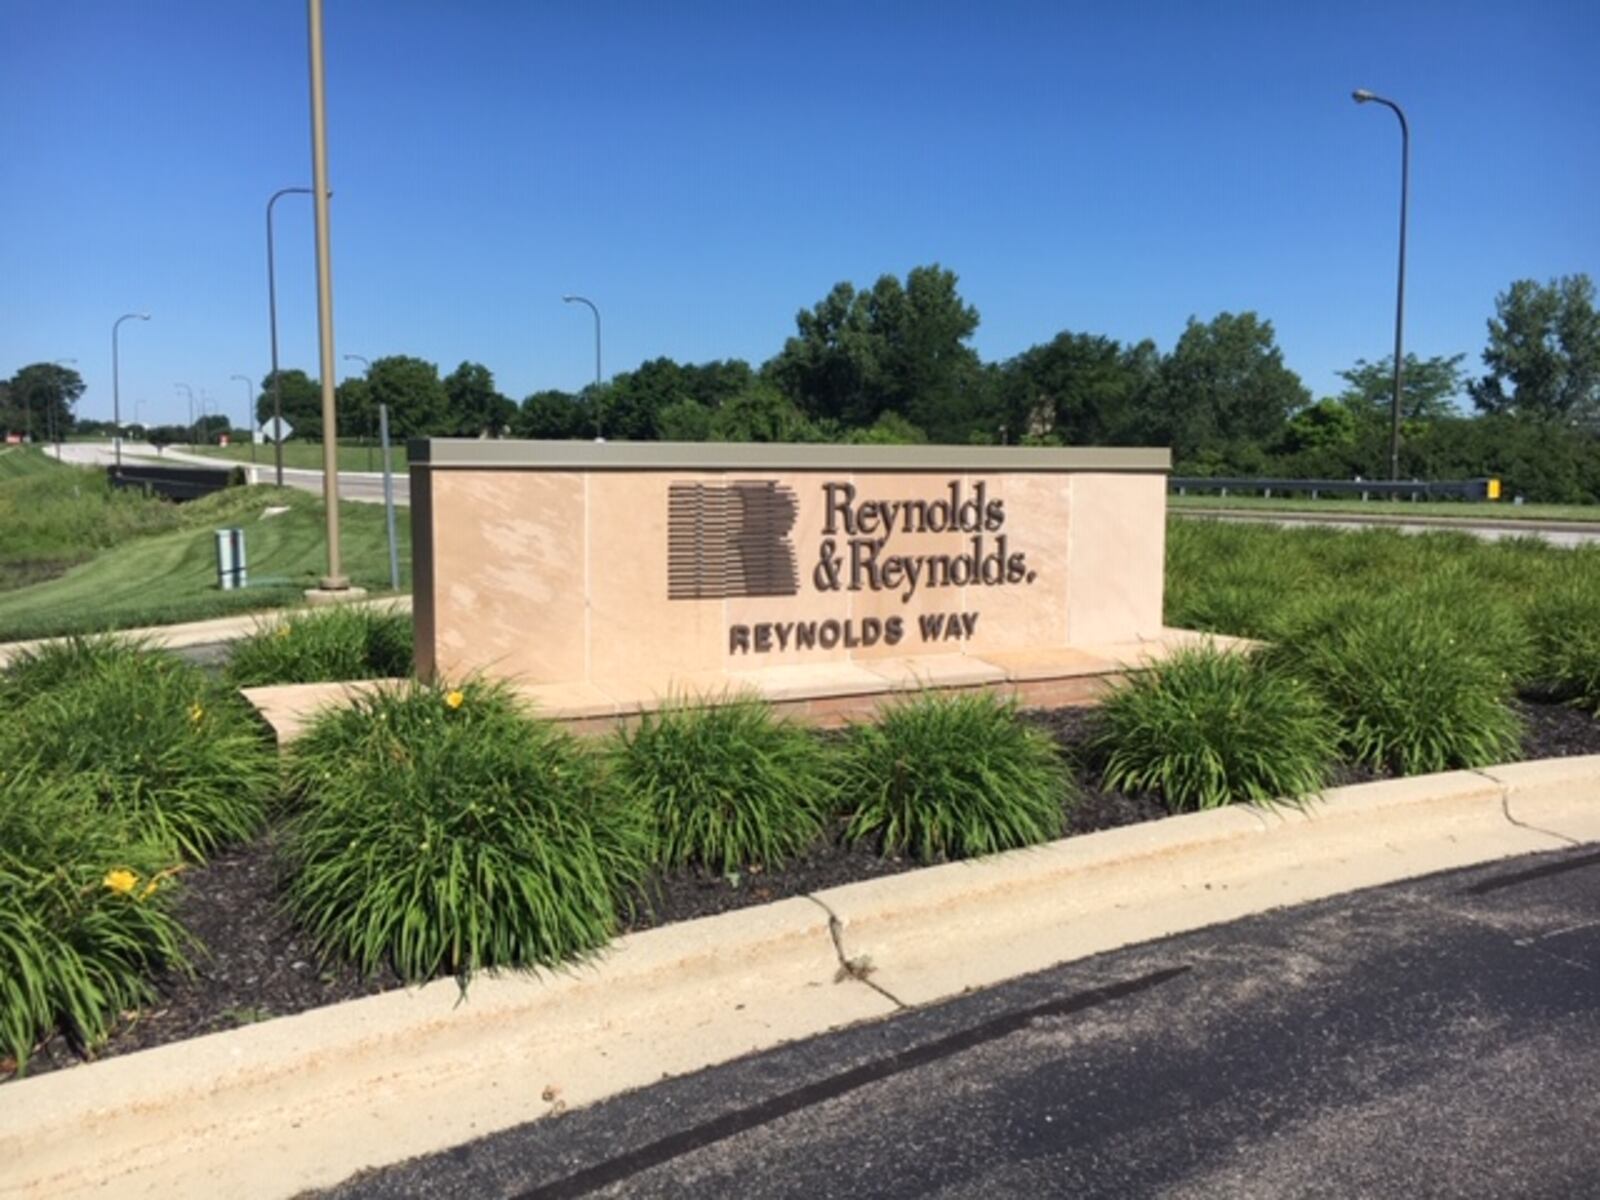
(175,483)
(1413,489)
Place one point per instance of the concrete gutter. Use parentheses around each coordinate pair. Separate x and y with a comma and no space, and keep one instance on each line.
(1306,516)
(305,1101)
(205,633)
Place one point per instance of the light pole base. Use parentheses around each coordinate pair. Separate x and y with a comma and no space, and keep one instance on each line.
(335,594)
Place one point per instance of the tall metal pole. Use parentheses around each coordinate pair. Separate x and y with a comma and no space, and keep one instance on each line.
(599,425)
(335,580)
(1362,96)
(188,391)
(249,413)
(370,438)
(272,319)
(116,389)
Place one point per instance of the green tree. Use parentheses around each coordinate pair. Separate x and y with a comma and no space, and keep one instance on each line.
(476,408)
(1077,389)
(552,415)
(39,398)
(762,414)
(1223,383)
(685,420)
(1543,356)
(894,348)
(1428,387)
(358,415)
(1327,424)
(418,406)
(301,397)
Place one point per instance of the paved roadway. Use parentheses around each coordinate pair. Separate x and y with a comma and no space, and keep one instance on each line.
(363,486)
(1560,533)
(1434,1038)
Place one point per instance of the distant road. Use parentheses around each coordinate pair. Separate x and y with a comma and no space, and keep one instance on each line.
(360,486)
(1560,533)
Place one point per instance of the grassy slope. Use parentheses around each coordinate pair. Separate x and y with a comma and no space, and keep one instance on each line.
(171,576)
(1464,510)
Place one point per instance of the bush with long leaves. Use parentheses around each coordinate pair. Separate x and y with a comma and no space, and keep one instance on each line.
(153,743)
(328,644)
(85,918)
(726,785)
(1208,728)
(952,776)
(444,830)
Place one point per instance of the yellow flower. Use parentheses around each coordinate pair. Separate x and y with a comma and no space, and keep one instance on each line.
(196,712)
(455,699)
(283,631)
(121,881)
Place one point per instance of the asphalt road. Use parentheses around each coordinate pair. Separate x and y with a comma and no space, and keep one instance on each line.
(1434,1038)
(353,485)
(1559,533)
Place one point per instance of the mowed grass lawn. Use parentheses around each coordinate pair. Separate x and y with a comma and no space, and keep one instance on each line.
(82,558)
(1482,510)
(307,456)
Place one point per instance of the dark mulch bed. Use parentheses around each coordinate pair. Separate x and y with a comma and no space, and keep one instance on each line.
(257,965)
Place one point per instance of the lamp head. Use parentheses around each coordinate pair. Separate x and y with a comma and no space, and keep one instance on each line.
(142,316)
(568,299)
(1361,96)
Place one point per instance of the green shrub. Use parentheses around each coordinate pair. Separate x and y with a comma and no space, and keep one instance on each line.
(952,776)
(51,666)
(1565,623)
(726,785)
(446,831)
(85,918)
(324,645)
(157,747)
(1409,691)
(1207,728)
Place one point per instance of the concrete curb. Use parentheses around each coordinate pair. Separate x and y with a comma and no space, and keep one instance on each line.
(305,1101)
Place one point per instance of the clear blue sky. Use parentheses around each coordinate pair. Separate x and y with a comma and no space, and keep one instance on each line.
(702,171)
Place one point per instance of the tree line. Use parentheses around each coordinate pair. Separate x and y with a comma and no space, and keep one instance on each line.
(893,363)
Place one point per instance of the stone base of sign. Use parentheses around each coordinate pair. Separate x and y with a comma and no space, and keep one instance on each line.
(824,695)
(320,596)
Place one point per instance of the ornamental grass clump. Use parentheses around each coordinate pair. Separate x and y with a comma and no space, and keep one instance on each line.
(725,785)
(1208,728)
(325,645)
(152,743)
(444,830)
(1412,690)
(1565,625)
(85,918)
(952,776)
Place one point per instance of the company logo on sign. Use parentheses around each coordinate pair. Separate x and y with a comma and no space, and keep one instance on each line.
(727,540)
(733,540)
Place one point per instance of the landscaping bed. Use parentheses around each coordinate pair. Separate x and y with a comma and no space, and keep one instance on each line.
(164,874)
(258,965)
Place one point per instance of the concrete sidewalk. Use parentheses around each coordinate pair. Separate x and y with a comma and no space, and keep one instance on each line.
(204,633)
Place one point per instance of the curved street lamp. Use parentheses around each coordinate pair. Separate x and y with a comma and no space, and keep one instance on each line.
(249,413)
(599,428)
(116,391)
(1362,96)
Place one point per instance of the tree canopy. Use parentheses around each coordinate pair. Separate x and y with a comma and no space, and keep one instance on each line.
(38,399)
(1428,388)
(1543,356)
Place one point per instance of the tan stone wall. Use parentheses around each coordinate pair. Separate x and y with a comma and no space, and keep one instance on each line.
(560,575)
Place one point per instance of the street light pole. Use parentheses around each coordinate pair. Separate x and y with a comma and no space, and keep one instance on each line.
(249,413)
(367,363)
(116,389)
(335,580)
(272,321)
(189,391)
(1362,96)
(599,428)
